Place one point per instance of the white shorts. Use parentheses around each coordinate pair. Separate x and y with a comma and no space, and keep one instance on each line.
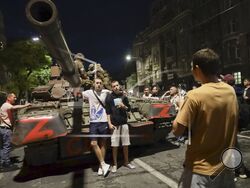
(121,133)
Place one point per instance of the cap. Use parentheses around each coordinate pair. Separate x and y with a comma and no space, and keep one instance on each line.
(228,78)
(79,56)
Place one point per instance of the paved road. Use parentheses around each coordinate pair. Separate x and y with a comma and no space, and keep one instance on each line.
(158,165)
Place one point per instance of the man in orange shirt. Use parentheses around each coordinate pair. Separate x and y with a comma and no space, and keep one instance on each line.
(210,112)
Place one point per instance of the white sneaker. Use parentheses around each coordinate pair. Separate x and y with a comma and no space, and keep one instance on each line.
(99,171)
(130,166)
(114,169)
(243,176)
(105,169)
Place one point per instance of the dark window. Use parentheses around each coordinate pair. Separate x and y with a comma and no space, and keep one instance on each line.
(227,4)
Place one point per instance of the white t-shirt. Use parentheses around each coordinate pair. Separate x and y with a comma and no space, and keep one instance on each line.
(4,114)
(144,96)
(96,112)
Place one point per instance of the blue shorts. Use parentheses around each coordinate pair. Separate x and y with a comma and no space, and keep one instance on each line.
(98,129)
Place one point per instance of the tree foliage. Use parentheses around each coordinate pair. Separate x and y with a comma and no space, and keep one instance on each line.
(25,64)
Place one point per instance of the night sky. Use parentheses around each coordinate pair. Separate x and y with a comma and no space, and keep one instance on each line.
(103,30)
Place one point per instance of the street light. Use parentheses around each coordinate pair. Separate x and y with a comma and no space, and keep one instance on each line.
(128,57)
(35,39)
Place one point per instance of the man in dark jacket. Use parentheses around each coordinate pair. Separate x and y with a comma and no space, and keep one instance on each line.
(117,106)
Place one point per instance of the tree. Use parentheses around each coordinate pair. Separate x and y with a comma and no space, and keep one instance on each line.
(24,62)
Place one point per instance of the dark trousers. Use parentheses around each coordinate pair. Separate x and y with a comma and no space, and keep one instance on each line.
(241,169)
(5,148)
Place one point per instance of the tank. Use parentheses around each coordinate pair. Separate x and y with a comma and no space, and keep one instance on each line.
(57,121)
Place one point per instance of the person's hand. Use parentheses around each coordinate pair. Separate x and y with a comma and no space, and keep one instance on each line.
(76,91)
(28,104)
(112,127)
(121,105)
(167,92)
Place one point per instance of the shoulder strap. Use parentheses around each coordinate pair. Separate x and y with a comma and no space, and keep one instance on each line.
(98,99)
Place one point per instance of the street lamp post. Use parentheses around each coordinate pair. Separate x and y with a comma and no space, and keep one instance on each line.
(136,69)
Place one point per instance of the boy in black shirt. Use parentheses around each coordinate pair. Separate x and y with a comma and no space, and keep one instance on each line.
(117,106)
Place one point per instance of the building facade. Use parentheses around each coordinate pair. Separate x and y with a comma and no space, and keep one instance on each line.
(178,28)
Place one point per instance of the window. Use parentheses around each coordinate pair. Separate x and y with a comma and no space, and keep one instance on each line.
(237,77)
(231,26)
(227,4)
(233,51)
(157,74)
(169,51)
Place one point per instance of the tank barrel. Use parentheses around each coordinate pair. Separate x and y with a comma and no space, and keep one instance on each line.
(43,15)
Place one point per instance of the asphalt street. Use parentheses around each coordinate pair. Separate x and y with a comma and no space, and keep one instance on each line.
(157,165)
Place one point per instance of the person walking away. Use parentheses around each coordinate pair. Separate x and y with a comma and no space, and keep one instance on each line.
(210,112)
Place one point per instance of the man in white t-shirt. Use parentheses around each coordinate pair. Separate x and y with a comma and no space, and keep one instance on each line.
(98,127)
(6,117)
(146,93)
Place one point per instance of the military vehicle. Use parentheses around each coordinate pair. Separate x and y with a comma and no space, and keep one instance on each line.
(56,126)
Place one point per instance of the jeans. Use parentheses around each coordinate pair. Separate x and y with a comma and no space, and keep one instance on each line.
(5,148)
(192,180)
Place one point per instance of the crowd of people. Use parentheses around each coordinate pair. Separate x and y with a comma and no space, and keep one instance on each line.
(211,113)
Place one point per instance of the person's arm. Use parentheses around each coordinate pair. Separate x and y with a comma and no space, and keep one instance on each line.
(111,126)
(178,129)
(123,106)
(246,94)
(185,116)
(126,102)
(85,94)
(154,98)
(15,107)
(167,92)
(108,111)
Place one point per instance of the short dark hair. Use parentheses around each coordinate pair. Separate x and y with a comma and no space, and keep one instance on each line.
(207,60)
(114,82)
(97,78)
(247,78)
